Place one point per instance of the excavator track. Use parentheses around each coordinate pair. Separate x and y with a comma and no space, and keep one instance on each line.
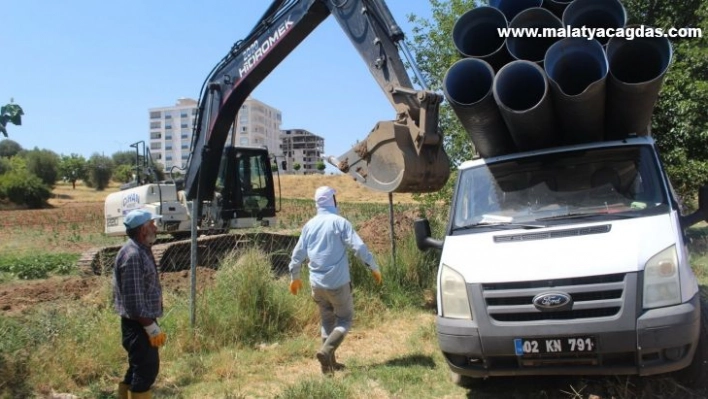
(175,255)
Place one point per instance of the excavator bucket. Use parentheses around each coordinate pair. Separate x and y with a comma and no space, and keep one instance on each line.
(390,161)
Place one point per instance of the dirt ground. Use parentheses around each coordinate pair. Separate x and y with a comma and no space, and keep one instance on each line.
(376,232)
(22,296)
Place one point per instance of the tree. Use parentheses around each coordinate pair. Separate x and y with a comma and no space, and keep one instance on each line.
(10,113)
(296,166)
(123,173)
(43,164)
(9,148)
(72,168)
(321,166)
(99,171)
(124,158)
(680,123)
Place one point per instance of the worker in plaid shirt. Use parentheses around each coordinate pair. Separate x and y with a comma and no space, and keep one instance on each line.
(137,297)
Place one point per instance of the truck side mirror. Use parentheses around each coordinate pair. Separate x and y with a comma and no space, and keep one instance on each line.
(423,240)
(699,215)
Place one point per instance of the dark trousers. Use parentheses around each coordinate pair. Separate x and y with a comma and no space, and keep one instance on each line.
(143,358)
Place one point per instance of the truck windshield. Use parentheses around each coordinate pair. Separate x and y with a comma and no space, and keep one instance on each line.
(597,184)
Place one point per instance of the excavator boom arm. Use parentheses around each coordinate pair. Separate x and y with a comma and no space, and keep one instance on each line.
(403,155)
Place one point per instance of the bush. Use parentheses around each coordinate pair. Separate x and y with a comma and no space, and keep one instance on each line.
(44,164)
(247,305)
(24,188)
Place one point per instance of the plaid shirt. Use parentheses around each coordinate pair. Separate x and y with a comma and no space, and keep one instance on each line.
(136,284)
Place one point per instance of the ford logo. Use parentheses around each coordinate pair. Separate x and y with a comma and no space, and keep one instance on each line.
(552,301)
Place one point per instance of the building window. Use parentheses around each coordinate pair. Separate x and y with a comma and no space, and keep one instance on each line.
(185,146)
(243,141)
(168,147)
(155,115)
(168,126)
(155,136)
(155,125)
(183,115)
(184,126)
(168,116)
(244,129)
(168,137)
(168,158)
(155,146)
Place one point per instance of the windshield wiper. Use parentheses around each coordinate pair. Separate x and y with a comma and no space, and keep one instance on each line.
(587,216)
(502,225)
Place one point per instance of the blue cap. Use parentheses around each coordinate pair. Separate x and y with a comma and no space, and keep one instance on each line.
(137,218)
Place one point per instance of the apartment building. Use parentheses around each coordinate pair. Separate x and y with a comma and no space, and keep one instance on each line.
(299,146)
(257,124)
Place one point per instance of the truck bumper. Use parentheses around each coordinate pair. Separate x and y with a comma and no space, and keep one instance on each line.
(662,341)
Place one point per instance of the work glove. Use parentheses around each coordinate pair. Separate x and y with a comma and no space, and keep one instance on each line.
(156,336)
(295,286)
(377,276)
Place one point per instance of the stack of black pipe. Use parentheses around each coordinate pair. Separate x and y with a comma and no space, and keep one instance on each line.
(523,93)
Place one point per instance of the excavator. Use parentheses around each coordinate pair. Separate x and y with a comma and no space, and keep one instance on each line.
(232,187)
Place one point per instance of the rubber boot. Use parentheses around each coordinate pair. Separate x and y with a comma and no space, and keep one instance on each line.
(324,355)
(123,390)
(140,395)
(336,366)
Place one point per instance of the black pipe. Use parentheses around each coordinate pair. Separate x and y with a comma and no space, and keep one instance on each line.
(533,48)
(577,72)
(475,35)
(556,6)
(637,70)
(468,88)
(521,91)
(601,14)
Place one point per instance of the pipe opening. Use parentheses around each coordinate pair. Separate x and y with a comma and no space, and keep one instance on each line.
(520,86)
(601,14)
(468,81)
(532,48)
(475,32)
(575,64)
(637,62)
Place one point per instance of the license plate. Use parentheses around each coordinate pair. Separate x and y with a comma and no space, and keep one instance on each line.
(539,346)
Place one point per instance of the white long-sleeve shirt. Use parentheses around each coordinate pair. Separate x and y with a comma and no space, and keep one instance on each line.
(324,241)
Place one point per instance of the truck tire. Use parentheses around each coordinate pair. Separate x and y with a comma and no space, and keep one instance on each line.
(696,373)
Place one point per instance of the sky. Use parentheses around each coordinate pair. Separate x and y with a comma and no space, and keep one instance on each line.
(86,72)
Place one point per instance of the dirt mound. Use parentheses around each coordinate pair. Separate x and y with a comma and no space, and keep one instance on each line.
(376,232)
(18,297)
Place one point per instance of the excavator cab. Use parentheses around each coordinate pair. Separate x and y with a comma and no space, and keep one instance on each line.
(245,185)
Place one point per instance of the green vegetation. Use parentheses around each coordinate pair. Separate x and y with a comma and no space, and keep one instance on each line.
(37,266)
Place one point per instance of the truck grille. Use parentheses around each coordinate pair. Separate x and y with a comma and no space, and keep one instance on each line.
(593,297)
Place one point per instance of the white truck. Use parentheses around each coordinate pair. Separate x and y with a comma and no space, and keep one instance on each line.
(568,260)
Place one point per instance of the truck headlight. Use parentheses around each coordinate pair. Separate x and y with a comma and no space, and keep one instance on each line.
(455,303)
(661,280)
